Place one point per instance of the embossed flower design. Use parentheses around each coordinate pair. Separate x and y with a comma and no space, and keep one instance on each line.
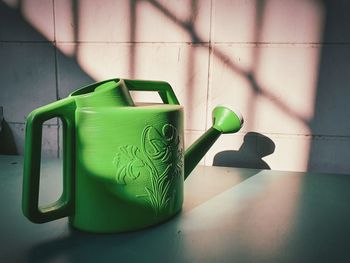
(161,145)
(160,157)
(179,163)
(129,163)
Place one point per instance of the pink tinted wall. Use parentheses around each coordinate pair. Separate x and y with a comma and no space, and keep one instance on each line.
(280,62)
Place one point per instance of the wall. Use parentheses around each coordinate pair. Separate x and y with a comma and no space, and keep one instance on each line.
(283,64)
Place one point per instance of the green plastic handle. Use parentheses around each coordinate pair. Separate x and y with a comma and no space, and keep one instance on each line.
(163,88)
(64,109)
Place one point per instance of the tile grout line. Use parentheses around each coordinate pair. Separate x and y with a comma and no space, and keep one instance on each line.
(290,44)
(315,136)
(56,74)
(23,123)
(26,41)
(209,71)
(209,64)
(54,21)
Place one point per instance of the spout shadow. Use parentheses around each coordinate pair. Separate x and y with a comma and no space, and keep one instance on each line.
(255,147)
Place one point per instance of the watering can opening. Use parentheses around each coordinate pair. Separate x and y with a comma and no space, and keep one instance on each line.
(91,88)
(107,93)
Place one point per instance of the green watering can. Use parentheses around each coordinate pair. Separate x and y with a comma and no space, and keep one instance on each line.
(123,164)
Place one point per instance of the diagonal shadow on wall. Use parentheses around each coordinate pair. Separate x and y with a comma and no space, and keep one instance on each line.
(257,88)
(219,54)
(329,128)
(32,71)
(14,28)
(329,149)
(332,72)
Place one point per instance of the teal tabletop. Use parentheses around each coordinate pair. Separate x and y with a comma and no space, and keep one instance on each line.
(229,215)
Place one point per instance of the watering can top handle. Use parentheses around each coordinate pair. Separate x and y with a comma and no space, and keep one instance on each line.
(163,88)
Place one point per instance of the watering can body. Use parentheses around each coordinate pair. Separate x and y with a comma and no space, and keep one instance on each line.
(123,164)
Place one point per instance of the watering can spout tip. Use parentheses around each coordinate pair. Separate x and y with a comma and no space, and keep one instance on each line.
(226,120)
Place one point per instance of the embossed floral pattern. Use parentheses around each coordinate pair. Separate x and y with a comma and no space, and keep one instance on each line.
(160,156)
(129,163)
(162,145)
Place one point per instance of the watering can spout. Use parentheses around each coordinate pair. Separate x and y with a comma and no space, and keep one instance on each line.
(225,120)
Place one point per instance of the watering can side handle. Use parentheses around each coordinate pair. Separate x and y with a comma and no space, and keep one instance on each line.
(65,110)
(163,88)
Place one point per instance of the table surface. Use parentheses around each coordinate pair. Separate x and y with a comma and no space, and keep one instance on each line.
(229,215)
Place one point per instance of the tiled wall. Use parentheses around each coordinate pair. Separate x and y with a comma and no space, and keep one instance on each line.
(283,63)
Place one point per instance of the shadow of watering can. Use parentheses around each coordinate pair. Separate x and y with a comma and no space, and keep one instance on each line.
(123,164)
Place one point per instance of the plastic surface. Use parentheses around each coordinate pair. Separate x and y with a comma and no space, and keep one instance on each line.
(123,163)
(63,109)
(227,120)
